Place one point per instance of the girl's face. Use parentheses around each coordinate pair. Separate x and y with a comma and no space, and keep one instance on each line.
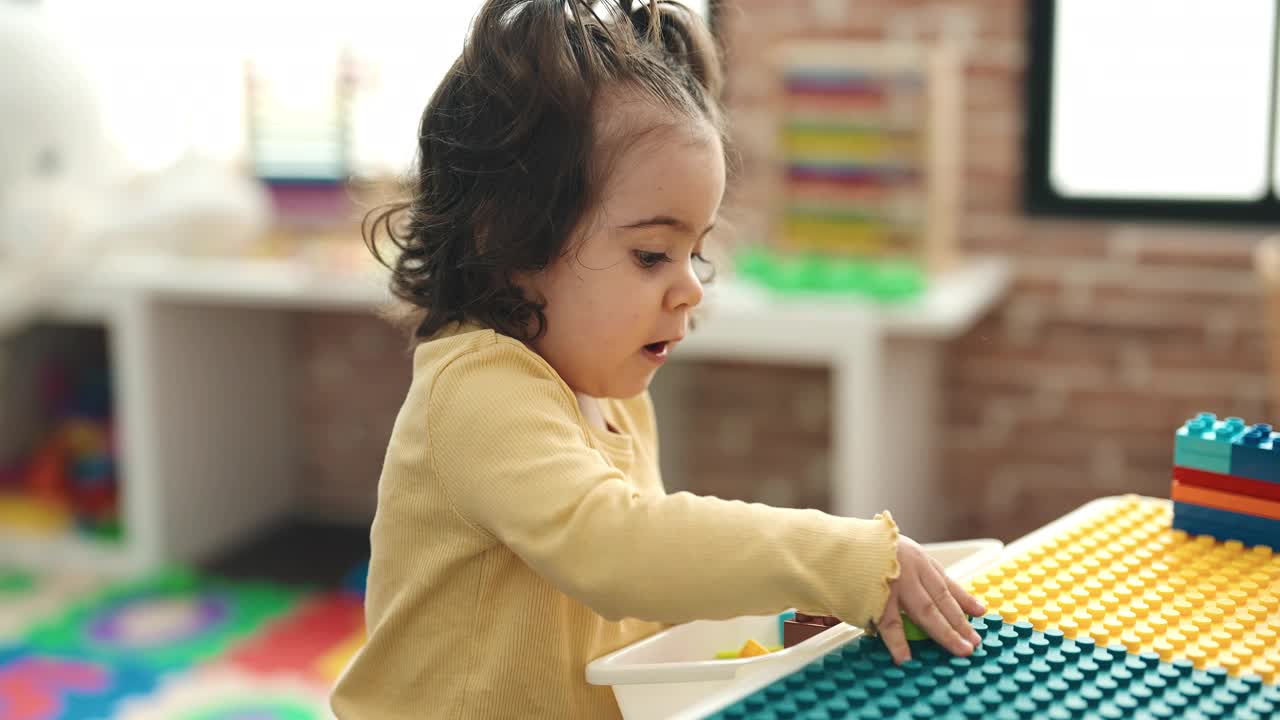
(618,302)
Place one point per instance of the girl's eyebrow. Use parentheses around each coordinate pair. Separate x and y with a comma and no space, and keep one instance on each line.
(666,221)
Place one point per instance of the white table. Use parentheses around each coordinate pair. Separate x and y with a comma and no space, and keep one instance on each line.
(201,358)
(885,384)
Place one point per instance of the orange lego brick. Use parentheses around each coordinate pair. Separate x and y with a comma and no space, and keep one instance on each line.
(1219,500)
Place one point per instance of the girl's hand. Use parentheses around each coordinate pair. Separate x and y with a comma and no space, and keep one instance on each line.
(935,602)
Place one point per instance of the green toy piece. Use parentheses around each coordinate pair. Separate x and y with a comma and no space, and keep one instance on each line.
(881,280)
(912,630)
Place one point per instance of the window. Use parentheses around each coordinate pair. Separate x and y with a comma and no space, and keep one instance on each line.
(1148,109)
(170,72)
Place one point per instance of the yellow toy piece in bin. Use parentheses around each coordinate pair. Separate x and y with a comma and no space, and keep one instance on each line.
(750,649)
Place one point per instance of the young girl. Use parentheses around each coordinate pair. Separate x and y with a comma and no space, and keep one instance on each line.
(571,166)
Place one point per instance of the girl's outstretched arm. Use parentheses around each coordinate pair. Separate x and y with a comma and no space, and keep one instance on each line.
(544,492)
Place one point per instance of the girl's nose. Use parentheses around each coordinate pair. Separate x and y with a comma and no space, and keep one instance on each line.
(686,293)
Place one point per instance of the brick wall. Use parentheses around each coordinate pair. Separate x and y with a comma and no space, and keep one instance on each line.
(1113,333)
(354,373)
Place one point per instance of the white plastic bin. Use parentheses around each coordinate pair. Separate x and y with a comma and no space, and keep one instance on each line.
(736,691)
(672,670)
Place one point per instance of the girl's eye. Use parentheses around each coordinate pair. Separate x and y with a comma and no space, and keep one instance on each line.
(705,270)
(650,259)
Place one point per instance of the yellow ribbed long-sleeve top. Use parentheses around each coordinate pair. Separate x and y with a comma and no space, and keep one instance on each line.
(513,543)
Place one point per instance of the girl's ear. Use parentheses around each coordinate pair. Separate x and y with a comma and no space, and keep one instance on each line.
(529,283)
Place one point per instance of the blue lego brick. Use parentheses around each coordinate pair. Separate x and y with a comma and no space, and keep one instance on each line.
(1219,458)
(783,617)
(1206,435)
(1017,673)
(1226,525)
(1216,516)
(1221,532)
(1256,454)
(1198,461)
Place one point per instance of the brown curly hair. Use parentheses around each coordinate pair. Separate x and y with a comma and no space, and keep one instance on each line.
(509,159)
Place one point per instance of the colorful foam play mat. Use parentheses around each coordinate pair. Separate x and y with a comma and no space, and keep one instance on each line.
(175,645)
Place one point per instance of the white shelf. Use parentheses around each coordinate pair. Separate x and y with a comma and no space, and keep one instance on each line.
(201,394)
(737,320)
(747,321)
(89,306)
(279,283)
(114,312)
(947,308)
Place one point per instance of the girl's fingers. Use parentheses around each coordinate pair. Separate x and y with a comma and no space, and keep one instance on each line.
(892,633)
(968,603)
(931,620)
(936,584)
(926,614)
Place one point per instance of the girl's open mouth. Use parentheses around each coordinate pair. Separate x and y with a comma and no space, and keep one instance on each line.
(657,351)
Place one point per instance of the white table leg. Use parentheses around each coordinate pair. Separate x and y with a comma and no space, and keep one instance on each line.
(857,489)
